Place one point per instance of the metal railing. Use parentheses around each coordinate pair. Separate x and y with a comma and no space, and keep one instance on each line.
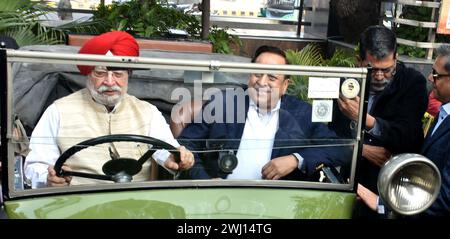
(431,25)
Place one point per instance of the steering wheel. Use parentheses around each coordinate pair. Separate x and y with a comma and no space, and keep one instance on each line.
(117,169)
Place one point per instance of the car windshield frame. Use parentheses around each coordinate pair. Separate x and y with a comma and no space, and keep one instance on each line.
(9,57)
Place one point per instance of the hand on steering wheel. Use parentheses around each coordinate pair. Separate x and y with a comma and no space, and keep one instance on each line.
(116,169)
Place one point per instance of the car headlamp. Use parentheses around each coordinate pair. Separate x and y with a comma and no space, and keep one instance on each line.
(409,183)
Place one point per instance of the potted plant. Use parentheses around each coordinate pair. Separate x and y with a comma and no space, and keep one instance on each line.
(23,21)
(154,19)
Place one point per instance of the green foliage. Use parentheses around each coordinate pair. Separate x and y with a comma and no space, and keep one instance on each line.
(147,20)
(154,19)
(21,20)
(222,41)
(341,58)
(311,55)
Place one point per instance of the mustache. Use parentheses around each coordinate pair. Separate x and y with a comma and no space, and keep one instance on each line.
(104,88)
(380,83)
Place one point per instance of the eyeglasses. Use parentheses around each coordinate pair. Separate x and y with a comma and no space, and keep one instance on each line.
(436,75)
(118,74)
(385,71)
(271,76)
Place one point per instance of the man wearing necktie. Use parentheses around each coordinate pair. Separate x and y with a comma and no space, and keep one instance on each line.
(437,142)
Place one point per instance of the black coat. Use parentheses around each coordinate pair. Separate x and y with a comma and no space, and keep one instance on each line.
(398,111)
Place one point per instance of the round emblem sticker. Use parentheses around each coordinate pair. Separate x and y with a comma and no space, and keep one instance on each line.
(350,88)
(322,110)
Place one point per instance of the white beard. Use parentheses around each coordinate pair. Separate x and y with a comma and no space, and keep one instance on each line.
(380,85)
(106,100)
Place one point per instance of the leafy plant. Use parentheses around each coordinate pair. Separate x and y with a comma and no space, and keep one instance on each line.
(147,20)
(155,18)
(23,21)
(19,19)
(341,58)
(222,41)
(311,55)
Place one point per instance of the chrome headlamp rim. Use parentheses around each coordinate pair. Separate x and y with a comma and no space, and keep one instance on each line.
(395,165)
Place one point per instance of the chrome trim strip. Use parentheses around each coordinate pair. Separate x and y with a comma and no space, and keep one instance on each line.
(182,184)
(195,65)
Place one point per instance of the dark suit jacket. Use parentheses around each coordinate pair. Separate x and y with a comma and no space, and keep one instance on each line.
(437,149)
(294,127)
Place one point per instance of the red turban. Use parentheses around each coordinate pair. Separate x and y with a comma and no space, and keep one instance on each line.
(117,42)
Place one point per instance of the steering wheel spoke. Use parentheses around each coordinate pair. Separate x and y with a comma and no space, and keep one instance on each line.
(87,175)
(146,156)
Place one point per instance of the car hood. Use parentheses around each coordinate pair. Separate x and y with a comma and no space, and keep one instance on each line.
(189,203)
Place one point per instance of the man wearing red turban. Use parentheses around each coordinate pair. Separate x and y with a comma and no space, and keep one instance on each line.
(102,108)
(117,43)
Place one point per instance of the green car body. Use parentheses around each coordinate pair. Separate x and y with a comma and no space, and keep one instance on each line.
(189,203)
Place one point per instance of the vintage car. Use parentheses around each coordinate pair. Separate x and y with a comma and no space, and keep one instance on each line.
(32,78)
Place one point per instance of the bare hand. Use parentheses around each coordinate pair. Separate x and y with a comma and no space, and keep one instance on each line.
(55,181)
(279,167)
(375,154)
(349,107)
(367,196)
(186,160)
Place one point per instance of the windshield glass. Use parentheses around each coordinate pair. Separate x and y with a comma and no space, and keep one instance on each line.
(252,124)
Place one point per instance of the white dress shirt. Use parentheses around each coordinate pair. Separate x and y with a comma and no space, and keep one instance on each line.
(444,110)
(45,151)
(255,148)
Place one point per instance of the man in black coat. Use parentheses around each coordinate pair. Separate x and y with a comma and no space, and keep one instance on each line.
(437,143)
(396,104)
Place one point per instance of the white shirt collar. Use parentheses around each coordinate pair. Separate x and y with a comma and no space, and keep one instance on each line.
(262,113)
(445,108)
